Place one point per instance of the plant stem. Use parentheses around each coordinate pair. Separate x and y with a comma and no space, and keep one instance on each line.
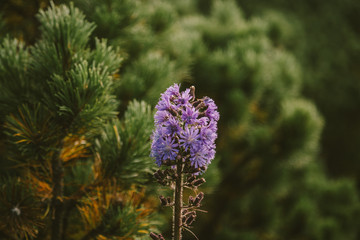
(58,192)
(178,195)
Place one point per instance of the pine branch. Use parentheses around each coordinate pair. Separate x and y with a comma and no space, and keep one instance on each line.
(73,200)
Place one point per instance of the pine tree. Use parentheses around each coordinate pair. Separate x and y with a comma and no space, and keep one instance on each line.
(71,168)
(272,183)
(141,30)
(268,132)
(330,67)
(270,135)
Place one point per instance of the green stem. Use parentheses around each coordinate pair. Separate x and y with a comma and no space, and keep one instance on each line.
(178,205)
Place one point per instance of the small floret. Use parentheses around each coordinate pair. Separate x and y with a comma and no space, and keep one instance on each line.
(188,137)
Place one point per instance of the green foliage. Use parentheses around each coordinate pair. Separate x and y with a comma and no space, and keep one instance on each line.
(301,123)
(104,57)
(139,28)
(78,175)
(124,145)
(125,222)
(146,76)
(30,129)
(334,218)
(14,59)
(20,210)
(265,123)
(64,32)
(329,64)
(121,217)
(18,19)
(161,16)
(113,18)
(83,99)
(65,27)
(266,127)
(64,140)
(258,60)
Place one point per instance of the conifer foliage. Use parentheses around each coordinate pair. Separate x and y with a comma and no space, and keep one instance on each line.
(268,133)
(74,170)
(65,98)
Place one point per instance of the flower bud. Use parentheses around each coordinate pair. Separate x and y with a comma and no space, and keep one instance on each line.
(191,200)
(198,182)
(189,218)
(172,112)
(194,170)
(188,213)
(161,173)
(157,176)
(196,103)
(190,179)
(168,172)
(163,201)
(162,182)
(202,114)
(198,199)
(168,162)
(201,105)
(192,92)
(155,236)
(203,168)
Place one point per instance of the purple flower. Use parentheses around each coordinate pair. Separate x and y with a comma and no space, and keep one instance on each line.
(184,98)
(210,154)
(164,148)
(173,90)
(171,126)
(164,103)
(189,115)
(169,148)
(161,116)
(198,156)
(184,125)
(189,137)
(208,136)
(202,121)
(211,112)
(155,153)
(210,103)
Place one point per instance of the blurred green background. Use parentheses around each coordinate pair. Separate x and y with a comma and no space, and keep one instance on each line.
(286,78)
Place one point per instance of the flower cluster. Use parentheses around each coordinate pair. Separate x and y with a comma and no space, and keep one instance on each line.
(185,128)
